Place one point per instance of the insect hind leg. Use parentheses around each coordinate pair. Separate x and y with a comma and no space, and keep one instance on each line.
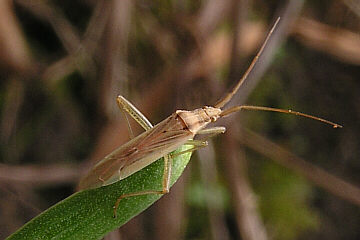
(116,205)
(165,184)
(127,107)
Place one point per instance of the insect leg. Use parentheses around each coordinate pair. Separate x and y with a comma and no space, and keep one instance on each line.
(129,108)
(166,175)
(126,107)
(197,144)
(131,133)
(165,184)
(212,131)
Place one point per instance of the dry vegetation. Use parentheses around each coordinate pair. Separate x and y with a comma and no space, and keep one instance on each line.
(62,63)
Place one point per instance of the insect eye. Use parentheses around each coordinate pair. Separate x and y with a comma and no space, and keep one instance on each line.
(213,119)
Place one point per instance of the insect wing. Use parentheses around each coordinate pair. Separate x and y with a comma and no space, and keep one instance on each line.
(139,152)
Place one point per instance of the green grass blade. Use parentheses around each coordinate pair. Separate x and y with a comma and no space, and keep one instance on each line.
(89,214)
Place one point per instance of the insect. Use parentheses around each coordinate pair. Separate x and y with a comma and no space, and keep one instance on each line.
(161,140)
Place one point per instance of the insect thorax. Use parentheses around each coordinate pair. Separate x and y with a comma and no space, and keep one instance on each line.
(199,118)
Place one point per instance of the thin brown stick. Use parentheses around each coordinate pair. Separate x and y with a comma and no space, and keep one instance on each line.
(318,176)
(288,16)
(249,222)
(169,219)
(115,73)
(82,58)
(67,34)
(209,177)
(14,53)
(40,175)
(338,42)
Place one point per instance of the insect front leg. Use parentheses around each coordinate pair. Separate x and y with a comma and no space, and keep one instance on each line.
(165,184)
(197,144)
(211,131)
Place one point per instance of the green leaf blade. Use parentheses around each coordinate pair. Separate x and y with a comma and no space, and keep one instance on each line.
(89,214)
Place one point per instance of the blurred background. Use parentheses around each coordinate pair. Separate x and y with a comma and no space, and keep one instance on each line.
(270,176)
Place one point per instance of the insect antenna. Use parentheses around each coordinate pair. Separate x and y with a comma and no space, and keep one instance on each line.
(221,103)
(269,109)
